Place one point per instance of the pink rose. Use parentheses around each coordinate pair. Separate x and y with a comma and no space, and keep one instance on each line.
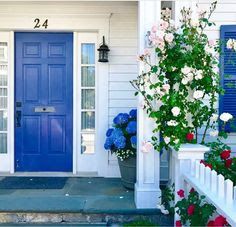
(154,29)
(212,42)
(169,37)
(147,147)
(146,52)
(181,193)
(163,25)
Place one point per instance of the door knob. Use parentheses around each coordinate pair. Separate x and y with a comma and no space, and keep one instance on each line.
(18,118)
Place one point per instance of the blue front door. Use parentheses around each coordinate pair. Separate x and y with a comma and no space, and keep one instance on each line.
(43,101)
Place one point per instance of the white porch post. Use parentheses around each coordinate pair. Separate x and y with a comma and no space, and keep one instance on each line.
(147,190)
(182,162)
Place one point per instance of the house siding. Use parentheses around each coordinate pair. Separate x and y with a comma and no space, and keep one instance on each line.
(225,14)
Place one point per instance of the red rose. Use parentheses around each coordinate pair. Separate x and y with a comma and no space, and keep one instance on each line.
(192,190)
(181,193)
(228,163)
(191,209)
(225,154)
(203,162)
(178,224)
(189,136)
(210,224)
(220,221)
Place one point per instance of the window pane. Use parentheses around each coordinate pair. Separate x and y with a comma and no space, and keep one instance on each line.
(88,53)
(3,80)
(3,92)
(87,143)
(3,120)
(88,99)
(3,69)
(3,143)
(3,51)
(3,102)
(88,121)
(88,76)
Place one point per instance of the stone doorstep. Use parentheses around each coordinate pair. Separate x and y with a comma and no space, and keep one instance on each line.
(82,218)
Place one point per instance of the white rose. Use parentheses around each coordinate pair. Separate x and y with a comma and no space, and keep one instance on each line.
(175,111)
(226,117)
(167,140)
(214,133)
(172,123)
(190,76)
(186,70)
(194,22)
(184,81)
(176,141)
(230,44)
(198,75)
(169,37)
(164,211)
(147,147)
(166,87)
(198,94)
(214,117)
(153,78)
(209,49)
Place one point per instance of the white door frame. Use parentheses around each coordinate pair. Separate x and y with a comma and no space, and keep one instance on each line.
(63,23)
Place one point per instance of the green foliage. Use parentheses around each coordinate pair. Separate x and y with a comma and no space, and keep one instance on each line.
(167,198)
(140,223)
(202,210)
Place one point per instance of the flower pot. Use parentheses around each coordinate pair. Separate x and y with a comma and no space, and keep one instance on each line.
(128,172)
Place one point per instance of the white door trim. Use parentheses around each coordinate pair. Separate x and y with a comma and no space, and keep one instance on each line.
(62,23)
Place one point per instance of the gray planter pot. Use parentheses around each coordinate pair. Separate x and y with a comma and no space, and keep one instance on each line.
(128,172)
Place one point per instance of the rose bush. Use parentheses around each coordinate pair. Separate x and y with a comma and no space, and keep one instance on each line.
(184,73)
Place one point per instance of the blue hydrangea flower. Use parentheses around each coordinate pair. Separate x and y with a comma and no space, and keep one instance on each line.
(108,144)
(117,132)
(109,132)
(121,119)
(120,142)
(131,127)
(133,141)
(133,113)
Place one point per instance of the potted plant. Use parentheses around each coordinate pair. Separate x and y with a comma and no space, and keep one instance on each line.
(121,140)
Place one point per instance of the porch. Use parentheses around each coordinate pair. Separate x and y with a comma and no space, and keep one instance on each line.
(71,200)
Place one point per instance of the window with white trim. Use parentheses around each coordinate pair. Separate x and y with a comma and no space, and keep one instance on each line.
(88,100)
(3,96)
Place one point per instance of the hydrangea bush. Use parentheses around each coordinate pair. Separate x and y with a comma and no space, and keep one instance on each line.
(181,87)
(122,137)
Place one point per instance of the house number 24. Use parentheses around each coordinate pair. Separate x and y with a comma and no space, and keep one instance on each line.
(38,24)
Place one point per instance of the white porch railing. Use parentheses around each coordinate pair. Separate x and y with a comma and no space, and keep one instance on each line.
(187,172)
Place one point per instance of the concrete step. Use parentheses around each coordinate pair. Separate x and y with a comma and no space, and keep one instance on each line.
(81,219)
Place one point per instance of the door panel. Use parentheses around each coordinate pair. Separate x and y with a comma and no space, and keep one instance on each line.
(43,97)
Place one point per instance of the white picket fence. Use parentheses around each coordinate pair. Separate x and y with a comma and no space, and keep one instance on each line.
(187,172)
(218,191)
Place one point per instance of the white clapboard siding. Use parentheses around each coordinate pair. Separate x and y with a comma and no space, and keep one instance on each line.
(225,14)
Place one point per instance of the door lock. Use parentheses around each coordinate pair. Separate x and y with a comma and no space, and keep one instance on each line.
(18,118)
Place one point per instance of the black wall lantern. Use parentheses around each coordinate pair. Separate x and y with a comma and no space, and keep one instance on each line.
(103,52)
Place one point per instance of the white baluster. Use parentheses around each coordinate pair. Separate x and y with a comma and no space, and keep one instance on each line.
(207,177)
(197,169)
(192,164)
(202,174)
(234,194)
(229,191)
(213,181)
(220,186)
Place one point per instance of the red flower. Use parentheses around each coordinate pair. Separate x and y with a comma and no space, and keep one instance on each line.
(203,162)
(178,224)
(192,190)
(228,163)
(189,136)
(191,209)
(225,154)
(209,165)
(220,221)
(181,193)
(210,224)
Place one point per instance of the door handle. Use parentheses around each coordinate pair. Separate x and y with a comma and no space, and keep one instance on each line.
(18,118)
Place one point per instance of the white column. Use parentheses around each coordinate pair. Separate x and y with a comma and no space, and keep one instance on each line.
(182,162)
(147,190)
